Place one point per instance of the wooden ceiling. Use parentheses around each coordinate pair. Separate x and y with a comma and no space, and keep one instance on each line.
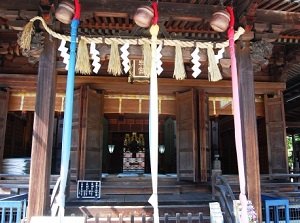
(275,21)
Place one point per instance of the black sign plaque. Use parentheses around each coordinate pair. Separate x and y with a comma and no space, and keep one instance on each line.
(88,189)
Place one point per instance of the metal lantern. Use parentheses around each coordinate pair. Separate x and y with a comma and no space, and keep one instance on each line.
(65,12)
(143,16)
(220,21)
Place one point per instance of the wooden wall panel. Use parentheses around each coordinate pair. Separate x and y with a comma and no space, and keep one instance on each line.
(168,107)
(145,107)
(111,106)
(130,106)
(27,102)
(137,104)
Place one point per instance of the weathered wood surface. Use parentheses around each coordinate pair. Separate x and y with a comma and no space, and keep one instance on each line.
(91,147)
(4,100)
(248,124)
(204,138)
(275,125)
(143,219)
(120,84)
(186,131)
(76,135)
(39,203)
(277,185)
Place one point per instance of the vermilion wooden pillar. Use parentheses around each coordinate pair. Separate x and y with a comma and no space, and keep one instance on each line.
(249,126)
(41,154)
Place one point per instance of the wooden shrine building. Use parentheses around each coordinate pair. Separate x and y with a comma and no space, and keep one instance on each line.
(110,108)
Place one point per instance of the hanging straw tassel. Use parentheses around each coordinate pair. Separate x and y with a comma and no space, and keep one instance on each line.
(214,73)
(25,38)
(179,71)
(147,58)
(114,65)
(83,59)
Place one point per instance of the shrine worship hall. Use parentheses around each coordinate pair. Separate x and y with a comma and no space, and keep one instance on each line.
(150,111)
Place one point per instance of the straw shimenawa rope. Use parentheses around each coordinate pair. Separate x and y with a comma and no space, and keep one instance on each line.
(214,73)
(115,63)
(179,70)
(83,59)
(108,41)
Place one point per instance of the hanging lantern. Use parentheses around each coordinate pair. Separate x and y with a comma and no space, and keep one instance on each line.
(143,16)
(65,12)
(220,21)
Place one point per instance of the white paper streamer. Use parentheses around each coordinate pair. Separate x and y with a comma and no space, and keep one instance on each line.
(124,56)
(159,68)
(153,125)
(96,59)
(219,55)
(195,61)
(64,53)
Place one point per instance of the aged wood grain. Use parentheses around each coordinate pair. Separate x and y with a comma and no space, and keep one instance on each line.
(39,203)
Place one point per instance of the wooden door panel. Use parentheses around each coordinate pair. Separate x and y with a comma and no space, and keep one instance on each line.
(187,147)
(204,136)
(276,136)
(87,135)
(93,135)
(76,135)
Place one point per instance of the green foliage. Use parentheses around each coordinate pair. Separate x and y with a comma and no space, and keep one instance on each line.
(289,146)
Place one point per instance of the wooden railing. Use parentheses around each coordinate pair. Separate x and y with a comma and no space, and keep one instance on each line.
(225,197)
(130,219)
(13,209)
(276,185)
(144,219)
(285,186)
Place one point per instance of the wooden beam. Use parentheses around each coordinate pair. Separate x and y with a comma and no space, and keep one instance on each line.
(130,6)
(293,124)
(246,13)
(249,128)
(290,19)
(28,82)
(41,151)
(165,8)
(31,5)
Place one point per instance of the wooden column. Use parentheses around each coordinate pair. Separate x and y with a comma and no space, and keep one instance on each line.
(41,154)
(4,98)
(249,127)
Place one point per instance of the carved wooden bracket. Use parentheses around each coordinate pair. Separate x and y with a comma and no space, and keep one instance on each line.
(47,9)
